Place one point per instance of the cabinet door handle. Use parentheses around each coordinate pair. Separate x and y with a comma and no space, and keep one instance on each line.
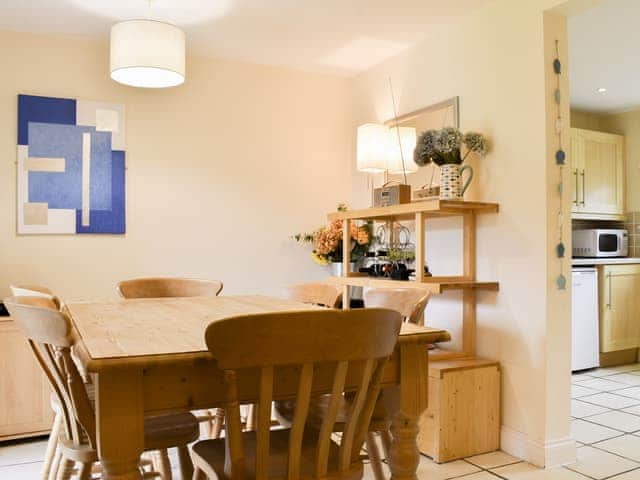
(609,302)
(583,187)
(575,201)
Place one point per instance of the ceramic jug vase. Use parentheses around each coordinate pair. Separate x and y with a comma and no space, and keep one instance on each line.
(451,187)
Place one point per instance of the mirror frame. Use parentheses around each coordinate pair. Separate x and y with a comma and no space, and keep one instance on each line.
(450,102)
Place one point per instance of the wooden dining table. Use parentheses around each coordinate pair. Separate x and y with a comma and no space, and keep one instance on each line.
(148,356)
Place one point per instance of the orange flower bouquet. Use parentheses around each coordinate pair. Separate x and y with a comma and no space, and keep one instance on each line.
(327,241)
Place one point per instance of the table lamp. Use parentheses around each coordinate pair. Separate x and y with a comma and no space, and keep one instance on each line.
(389,150)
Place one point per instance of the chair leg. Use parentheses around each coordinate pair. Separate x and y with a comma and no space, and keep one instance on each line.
(250,425)
(186,466)
(52,447)
(198,475)
(65,471)
(162,464)
(85,471)
(217,423)
(374,456)
(385,436)
(209,423)
(55,465)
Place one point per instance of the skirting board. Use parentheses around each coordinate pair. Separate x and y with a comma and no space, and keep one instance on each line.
(550,454)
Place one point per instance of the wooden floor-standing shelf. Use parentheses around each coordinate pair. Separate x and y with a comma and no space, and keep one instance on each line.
(420,212)
(463,416)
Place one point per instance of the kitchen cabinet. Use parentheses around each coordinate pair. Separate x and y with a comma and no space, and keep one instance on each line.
(619,307)
(24,393)
(597,167)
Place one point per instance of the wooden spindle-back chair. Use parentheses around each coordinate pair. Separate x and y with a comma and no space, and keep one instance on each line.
(409,302)
(50,336)
(322,294)
(35,291)
(161,287)
(297,354)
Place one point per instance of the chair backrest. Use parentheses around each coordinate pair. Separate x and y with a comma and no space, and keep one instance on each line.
(322,294)
(409,302)
(160,287)
(50,336)
(34,291)
(361,340)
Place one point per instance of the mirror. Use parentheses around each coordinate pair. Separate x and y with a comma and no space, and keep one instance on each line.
(434,117)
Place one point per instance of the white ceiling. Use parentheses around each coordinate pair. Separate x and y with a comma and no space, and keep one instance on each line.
(603,53)
(334,36)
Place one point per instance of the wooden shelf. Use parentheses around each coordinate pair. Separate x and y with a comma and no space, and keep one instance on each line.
(407,211)
(419,212)
(433,284)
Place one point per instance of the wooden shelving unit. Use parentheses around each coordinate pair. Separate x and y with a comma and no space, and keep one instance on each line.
(420,212)
(433,284)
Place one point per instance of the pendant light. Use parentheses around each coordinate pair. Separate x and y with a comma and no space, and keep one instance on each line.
(147,54)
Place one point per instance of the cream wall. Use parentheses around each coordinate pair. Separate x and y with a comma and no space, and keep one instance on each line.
(221,171)
(495,60)
(586,120)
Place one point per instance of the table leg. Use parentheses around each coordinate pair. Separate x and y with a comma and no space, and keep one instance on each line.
(120,423)
(404,454)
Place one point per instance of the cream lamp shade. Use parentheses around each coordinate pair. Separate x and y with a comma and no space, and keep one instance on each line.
(148,54)
(373,148)
(402,143)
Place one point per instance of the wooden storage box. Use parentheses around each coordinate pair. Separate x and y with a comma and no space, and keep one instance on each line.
(463,417)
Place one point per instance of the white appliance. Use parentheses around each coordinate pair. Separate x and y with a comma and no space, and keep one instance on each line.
(600,243)
(585,335)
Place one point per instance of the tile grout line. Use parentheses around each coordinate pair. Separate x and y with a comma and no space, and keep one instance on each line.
(609,409)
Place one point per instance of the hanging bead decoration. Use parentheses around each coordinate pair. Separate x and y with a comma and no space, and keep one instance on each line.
(560,158)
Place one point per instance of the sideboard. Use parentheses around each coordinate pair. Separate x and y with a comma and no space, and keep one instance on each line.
(25,409)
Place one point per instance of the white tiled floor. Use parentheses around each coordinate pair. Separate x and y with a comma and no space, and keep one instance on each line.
(606,422)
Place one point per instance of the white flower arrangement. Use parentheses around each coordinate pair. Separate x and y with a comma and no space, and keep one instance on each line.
(444,146)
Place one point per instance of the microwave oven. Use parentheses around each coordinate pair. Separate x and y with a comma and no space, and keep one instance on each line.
(596,243)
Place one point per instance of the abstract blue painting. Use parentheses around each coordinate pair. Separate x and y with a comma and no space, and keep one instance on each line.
(71,166)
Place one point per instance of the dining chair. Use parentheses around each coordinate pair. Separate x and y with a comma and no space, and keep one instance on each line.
(34,291)
(51,456)
(409,302)
(298,352)
(322,294)
(164,287)
(51,339)
(161,287)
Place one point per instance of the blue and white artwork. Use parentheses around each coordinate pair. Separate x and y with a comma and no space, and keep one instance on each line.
(71,166)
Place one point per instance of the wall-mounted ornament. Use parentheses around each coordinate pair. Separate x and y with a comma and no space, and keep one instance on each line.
(71,166)
(560,161)
(559,125)
(562,282)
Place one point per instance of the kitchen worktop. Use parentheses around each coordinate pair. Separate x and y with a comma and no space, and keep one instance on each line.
(580,262)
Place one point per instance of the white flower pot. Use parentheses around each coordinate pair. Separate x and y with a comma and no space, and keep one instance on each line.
(451,187)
